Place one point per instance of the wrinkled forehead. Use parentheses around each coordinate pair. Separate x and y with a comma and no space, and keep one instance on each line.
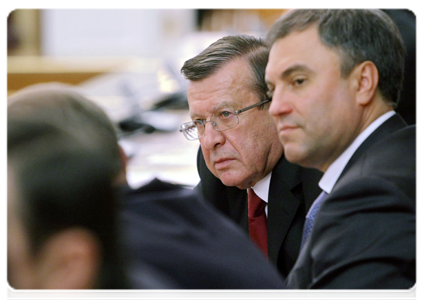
(234,74)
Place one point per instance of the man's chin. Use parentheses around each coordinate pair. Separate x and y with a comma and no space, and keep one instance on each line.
(232,181)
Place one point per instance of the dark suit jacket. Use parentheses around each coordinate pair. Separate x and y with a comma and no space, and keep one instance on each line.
(188,243)
(364,232)
(292,191)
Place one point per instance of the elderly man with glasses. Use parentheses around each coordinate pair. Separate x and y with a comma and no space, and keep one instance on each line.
(241,164)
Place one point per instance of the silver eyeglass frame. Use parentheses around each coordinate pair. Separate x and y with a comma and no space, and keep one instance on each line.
(237,112)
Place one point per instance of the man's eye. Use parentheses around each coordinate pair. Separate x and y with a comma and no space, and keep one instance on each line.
(299,81)
(225,114)
(198,122)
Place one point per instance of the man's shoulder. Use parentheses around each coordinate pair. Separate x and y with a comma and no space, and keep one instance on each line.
(393,157)
(158,185)
(158,192)
(400,145)
(390,162)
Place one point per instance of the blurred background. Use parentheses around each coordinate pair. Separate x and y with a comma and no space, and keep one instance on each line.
(128,61)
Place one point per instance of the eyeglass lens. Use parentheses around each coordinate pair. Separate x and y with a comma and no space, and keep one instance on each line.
(221,121)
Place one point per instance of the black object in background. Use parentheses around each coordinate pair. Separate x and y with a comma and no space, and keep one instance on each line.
(406,22)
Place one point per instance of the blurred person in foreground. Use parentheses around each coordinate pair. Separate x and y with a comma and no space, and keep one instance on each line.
(61,212)
(335,78)
(163,227)
(241,163)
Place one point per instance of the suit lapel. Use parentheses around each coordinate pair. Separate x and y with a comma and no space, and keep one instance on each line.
(310,187)
(283,205)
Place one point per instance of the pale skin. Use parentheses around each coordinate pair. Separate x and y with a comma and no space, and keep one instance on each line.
(245,154)
(317,112)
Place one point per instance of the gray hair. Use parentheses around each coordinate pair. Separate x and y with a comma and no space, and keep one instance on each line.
(253,50)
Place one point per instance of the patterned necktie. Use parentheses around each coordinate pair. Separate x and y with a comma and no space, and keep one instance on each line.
(257,221)
(308,225)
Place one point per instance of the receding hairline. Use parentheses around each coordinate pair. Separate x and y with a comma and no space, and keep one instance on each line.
(238,59)
(217,54)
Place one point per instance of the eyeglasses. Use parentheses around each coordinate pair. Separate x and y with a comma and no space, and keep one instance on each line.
(221,120)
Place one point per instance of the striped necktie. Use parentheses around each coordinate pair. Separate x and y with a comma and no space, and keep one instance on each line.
(308,225)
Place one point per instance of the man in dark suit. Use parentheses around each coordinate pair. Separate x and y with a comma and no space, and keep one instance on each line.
(171,237)
(335,77)
(240,149)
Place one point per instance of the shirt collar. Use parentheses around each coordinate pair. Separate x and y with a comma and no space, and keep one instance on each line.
(261,188)
(330,177)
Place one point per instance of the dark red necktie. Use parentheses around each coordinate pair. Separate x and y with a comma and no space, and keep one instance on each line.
(257,221)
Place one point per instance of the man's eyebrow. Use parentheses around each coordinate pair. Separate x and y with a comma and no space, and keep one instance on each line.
(194,116)
(294,68)
(223,104)
(288,72)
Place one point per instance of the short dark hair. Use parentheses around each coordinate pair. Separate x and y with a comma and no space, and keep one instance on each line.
(253,50)
(358,35)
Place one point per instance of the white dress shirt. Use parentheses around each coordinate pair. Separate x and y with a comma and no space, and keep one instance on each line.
(261,189)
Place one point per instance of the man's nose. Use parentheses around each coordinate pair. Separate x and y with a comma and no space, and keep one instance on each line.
(212,138)
(280,104)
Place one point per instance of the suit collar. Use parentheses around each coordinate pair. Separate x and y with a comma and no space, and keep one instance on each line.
(396,122)
(335,169)
(261,188)
(290,185)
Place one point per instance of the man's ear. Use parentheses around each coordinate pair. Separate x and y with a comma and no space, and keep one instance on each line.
(123,158)
(366,77)
(70,259)
(121,177)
